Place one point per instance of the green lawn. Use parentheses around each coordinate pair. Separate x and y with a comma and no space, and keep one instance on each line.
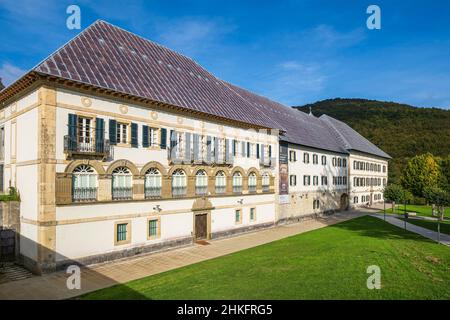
(328,263)
(421,210)
(431,225)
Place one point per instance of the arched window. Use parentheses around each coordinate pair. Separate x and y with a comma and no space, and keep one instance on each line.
(152,183)
(355,199)
(384,182)
(201,183)
(84,184)
(179,183)
(265,182)
(339,162)
(221,182)
(252,182)
(122,188)
(237,182)
(344,163)
(324,160)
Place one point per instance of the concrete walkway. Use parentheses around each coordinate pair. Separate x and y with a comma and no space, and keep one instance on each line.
(53,286)
(433,235)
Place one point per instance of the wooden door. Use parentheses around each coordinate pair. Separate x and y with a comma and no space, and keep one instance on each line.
(201,226)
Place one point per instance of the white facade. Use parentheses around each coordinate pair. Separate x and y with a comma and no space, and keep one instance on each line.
(368,177)
(39,162)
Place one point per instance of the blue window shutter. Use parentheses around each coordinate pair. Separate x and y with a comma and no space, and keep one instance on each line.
(187,145)
(112,132)
(262,154)
(134,135)
(99,135)
(208,149)
(72,132)
(270,151)
(163,143)
(196,147)
(234,147)
(216,150)
(227,151)
(257,151)
(145,141)
(243,148)
(248,149)
(173,144)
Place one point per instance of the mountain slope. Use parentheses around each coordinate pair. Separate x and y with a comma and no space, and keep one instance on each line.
(400,130)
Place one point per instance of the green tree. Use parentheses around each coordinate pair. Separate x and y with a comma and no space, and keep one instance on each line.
(444,164)
(439,198)
(394,193)
(421,172)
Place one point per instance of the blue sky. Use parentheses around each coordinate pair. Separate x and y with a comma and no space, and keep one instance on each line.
(294,52)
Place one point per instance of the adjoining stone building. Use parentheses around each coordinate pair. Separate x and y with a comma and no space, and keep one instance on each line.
(120,146)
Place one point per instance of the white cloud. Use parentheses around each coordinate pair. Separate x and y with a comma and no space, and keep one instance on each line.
(328,36)
(291,82)
(192,35)
(10,73)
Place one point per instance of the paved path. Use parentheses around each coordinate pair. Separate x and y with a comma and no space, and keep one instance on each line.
(53,286)
(433,235)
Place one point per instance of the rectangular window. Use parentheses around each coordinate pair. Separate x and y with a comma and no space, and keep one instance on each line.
(237,216)
(252,214)
(153,228)
(122,233)
(306,157)
(153,135)
(122,133)
(293,180)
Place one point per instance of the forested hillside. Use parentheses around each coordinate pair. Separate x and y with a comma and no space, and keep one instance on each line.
(401,130)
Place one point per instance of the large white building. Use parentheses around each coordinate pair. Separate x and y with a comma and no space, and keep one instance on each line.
(120,146)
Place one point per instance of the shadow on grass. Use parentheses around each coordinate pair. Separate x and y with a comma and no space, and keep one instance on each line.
(376,228)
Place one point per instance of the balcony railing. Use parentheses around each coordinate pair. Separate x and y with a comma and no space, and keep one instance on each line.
(152,192)
(237,189)
(84,194)
(220,189)
(87,146)
(122,193)
(201,191)
(252,189)
(265,188)
(178,192)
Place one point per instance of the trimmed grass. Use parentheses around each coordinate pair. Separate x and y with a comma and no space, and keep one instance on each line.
(421,210)
(328,263)
(431,225)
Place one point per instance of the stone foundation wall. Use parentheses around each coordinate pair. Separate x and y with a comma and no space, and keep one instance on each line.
(236,231)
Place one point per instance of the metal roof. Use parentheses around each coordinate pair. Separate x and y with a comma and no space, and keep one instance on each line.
(106,56)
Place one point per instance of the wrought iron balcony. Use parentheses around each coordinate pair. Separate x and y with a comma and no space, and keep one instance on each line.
(220,189)
(201,191)
(178,192)
(237,189)
(152,192)
(84,194)
(122,193)
(86,147)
